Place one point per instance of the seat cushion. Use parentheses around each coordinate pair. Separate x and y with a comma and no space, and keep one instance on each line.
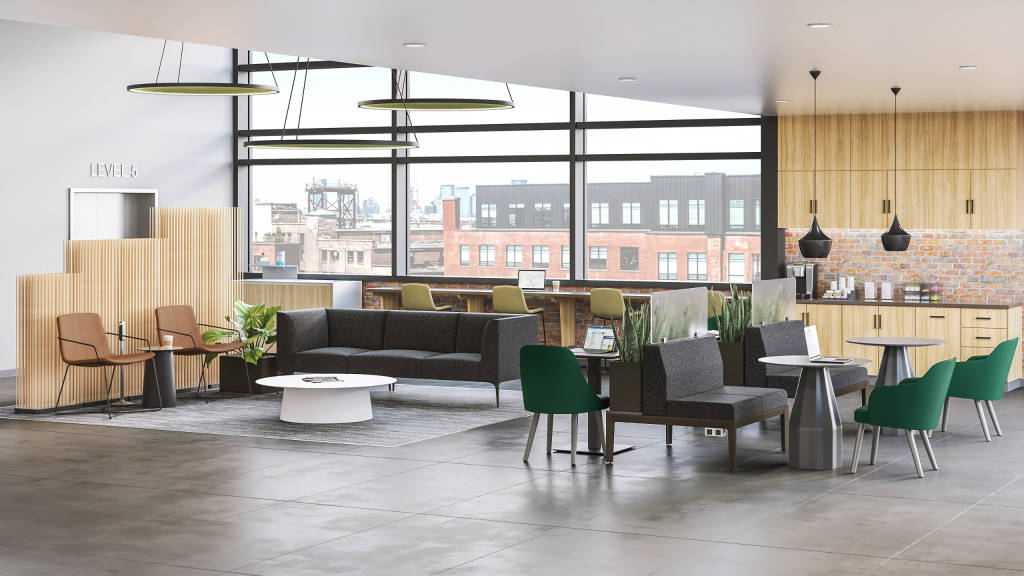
(356,328)
(428,331)
(398,363)
(456,366)
(727,403)
(325,360)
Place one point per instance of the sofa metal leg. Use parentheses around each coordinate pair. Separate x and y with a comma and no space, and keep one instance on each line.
(857,447)
(945,413)
(609,438)
(668,434)
(529,440)
(913,452)
(551,429)
(784,432)
(995,421)
(732,448)
(981,416)
(876,437)
(928,450)
(497,396)
(572,447)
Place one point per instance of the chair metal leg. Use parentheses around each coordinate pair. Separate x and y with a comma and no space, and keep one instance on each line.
(497,396)
(928,449)
(913,452)
(248,381)
(732,448)
(995,421)
(600,432)
(876,437)
(856,448)
(609,438)
(529,440)
(206,383)
(61,391)
(945,414)
(981,416)
(668,434)
(572,447)
(551,429)
(113,371)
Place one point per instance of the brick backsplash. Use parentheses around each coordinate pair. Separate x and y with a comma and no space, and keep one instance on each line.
(966,264)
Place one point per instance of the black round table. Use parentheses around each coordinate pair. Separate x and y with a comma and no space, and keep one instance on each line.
(594,423)
(162,378)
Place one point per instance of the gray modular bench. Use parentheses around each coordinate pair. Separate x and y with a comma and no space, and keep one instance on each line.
(404,344)
(682,385)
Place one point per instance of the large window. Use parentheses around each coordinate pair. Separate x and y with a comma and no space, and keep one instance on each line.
(486,193)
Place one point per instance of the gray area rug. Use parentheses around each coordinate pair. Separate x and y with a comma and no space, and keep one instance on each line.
(411,413)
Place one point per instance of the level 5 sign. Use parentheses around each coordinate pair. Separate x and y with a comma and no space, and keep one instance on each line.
(113,170)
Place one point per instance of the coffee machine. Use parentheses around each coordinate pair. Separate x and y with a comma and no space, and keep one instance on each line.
(806,274)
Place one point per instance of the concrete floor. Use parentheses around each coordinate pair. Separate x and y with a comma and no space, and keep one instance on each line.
(97,500)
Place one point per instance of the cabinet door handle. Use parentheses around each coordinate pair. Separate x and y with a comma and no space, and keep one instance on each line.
(967,206)
(983,317)
(938,317)
(982,337)
(972,205)
(810,206)
(879,321)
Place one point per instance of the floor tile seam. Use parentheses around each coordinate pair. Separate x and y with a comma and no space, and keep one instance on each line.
(936,562)
(146,562)
(498,551)
(950,520)
(490,492)
(302,499)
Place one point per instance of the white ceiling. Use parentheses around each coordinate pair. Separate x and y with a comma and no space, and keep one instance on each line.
(737,55)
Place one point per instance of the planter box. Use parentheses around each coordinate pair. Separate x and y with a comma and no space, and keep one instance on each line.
(624,387)
(232,374)
(732,363)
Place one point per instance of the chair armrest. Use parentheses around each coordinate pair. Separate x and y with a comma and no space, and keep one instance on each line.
(186,334)
(297,331)
(502,340)
(146,340)
(94,350)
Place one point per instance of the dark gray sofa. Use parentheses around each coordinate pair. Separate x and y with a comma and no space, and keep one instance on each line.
(682,385)
(404,344)
(784,339)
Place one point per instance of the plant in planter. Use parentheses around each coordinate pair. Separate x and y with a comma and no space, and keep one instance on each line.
(256,327)
(733,316)
(632,335)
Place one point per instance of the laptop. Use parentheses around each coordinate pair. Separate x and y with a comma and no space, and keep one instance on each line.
(814,349)
(599,340)
(532,279)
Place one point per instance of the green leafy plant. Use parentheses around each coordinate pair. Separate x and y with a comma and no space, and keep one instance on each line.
(256,326)
(633,334)
(733,315)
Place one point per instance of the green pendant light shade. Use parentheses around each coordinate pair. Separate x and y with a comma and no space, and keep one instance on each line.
(436,104)
(896,239)
(179,88)
(815,244)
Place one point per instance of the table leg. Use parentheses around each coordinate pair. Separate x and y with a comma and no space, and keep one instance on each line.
(594,423)
(474,302)
(567,321)
(162,378)
(815,427)
(892,369)
(389,300)
(326,405)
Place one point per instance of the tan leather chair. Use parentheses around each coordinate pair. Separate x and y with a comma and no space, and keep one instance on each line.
(510,300)
(417,297)
(83,343)
(180,322)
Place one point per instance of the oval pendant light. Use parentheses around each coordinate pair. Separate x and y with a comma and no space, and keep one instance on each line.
(815,244)
(179,88)
(896,239)
(436,104)
(322,143)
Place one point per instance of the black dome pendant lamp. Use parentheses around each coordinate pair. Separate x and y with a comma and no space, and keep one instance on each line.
(815,244)
(896,239)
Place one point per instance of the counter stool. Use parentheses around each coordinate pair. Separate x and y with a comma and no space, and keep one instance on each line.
(510,300)
(417,297)
(607,303)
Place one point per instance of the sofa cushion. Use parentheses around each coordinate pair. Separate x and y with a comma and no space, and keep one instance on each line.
(471,331)
(398,363)
(457,366)
(679,368)
(784,338)
(325,360)
(356,328)
(730,403)
(788,378)
(428,331)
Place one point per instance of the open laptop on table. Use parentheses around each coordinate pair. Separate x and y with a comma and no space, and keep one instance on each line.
(532,280)
(599,340)
(814,349)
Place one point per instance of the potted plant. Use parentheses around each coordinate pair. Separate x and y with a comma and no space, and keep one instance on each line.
(733,317)
(256,327)
(625,380)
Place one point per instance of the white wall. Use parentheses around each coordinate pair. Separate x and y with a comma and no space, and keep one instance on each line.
(64,105)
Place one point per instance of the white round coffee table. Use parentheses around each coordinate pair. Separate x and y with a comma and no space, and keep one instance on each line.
(326,398)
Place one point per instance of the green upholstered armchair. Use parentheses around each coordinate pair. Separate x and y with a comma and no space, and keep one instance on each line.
(982,379)
(914,405)
(554,384)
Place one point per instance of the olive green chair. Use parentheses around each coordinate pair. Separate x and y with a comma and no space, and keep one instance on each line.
(510,300)
(913,405)
(607,303)
(982,379)
(417,297)
(554,384)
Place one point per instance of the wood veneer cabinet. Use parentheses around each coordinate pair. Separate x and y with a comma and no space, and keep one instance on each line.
(942,323)
(796,199)
(829,320)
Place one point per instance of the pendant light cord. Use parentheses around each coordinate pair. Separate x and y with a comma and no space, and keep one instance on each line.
(161,64)
(291,91)
(271,66)
(814,173)
(401,95)
(302,98)
(895,192)
(510,99)
(181,56)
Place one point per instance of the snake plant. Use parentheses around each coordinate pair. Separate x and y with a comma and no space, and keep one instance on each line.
(733,315)
(633,334)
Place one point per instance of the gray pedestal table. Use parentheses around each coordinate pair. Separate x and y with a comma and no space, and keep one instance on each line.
(162,378)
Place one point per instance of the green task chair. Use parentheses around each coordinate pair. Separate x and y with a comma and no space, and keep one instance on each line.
(982,379)
(914,405)
(510,300)
(553,384)
(418,297)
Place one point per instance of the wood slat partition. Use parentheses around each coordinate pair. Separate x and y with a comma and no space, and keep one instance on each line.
(289,296)
(192,260)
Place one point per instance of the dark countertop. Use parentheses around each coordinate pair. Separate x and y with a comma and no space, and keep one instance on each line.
(954,303)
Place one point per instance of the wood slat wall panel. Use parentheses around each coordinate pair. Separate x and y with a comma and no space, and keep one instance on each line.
(289,296)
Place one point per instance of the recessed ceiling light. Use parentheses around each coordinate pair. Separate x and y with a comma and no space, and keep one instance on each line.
(969,67)
(414,44)
(781,101)
(820,25)
(627,78)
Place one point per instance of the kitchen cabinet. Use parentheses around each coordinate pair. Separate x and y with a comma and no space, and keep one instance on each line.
(862,321)
(797,204)
(981,330)
(932,199)
(870,198)
(994,204)
(938,322)
(796,142)
(987,140)
(871,142)
(828,319)
(926,141)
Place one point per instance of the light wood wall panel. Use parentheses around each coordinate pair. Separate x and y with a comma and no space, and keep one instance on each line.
(289,296)
(795,143)
(833,142)
(871,138)
(926,141)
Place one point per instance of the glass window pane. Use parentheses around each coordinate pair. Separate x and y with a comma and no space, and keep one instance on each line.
(665,140)
(531,104)
(711,193)
(331,98)
(604,108)
(317,215)
(491,143)
(451,205)
(737,268)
